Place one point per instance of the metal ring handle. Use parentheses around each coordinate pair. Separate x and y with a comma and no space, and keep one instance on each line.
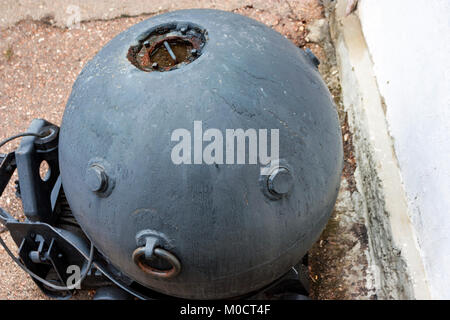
(161,253)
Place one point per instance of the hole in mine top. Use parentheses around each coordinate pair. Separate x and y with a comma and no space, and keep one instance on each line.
(168,47)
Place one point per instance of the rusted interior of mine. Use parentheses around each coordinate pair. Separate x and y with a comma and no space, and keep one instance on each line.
(167,49)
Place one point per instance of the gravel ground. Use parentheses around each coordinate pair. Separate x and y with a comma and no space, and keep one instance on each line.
(39,63)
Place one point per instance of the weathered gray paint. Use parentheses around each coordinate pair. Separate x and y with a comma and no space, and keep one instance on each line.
(230,237)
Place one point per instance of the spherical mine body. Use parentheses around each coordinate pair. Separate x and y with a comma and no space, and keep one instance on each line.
(146,161)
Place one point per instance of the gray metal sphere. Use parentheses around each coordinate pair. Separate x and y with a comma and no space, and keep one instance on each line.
(232,230)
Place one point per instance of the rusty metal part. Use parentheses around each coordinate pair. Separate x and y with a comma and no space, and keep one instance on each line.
(168,47)
(140,253)
(169,50)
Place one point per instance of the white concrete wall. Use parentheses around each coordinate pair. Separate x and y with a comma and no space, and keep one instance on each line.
(409,41)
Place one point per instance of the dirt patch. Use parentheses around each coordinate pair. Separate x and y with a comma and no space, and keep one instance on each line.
(339,261)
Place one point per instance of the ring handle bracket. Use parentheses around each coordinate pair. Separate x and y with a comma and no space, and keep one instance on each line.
(150,246)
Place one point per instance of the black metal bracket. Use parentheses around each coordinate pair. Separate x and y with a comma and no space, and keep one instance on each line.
(36,192)
(7,167)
